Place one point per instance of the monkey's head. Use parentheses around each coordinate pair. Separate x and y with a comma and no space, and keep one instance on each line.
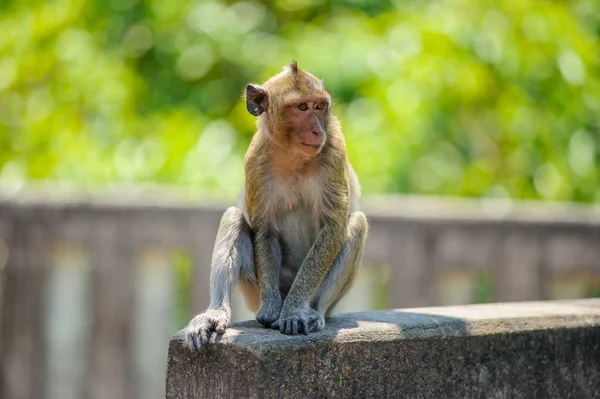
(295,107)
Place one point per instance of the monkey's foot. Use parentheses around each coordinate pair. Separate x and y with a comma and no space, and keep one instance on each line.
(269,311)
(198,331)
(299,321)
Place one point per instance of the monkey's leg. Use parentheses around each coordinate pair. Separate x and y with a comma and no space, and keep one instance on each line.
(341,275)
(232,261)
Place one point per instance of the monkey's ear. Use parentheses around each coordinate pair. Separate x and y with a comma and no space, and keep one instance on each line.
(257,100)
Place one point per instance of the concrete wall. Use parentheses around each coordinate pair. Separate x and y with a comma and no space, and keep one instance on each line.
(93,286)
(520,350)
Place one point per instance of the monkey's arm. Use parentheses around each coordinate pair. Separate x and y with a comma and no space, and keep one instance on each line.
(319,259)
(267,251)
(268,262)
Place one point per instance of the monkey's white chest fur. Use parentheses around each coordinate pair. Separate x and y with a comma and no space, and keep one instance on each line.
(296,206)
(295,209)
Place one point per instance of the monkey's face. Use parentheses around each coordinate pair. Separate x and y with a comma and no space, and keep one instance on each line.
(295,106)
(305,119)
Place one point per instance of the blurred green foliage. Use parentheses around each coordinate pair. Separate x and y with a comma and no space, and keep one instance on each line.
(471,98)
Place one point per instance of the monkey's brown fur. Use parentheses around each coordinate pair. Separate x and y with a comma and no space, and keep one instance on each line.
(271,156)
(299,211)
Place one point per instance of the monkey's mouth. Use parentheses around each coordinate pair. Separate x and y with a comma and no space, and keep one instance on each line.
(311,145)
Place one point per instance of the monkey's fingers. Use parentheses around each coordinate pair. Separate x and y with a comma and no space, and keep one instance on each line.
(221,326)
(200,328)
(294,323)
(196,341)
(199,339)
(190,340)
(202,335)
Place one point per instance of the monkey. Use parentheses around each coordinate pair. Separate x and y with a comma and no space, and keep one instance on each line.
(296,239)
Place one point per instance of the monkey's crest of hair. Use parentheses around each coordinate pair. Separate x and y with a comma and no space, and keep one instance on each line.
(293,79)
(293,66)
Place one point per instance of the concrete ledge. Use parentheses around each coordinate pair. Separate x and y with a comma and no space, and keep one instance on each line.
(515,350)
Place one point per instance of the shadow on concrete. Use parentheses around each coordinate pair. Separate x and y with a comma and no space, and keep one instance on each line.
(405,324)
(382,325)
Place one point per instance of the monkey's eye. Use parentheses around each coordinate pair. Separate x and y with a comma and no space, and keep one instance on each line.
(320,106)
(303,107)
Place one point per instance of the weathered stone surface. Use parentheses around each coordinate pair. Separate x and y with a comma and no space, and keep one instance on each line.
(519,350)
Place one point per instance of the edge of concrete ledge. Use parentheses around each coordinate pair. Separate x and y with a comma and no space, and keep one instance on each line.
(517,350)
(413,324)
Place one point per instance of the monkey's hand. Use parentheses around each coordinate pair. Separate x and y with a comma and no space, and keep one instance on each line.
(197,333)
(299,321)
(269,310)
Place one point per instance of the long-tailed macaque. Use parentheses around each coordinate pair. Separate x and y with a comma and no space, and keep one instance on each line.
(295,242)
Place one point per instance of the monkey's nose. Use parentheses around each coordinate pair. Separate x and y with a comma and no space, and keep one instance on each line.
(316,134)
